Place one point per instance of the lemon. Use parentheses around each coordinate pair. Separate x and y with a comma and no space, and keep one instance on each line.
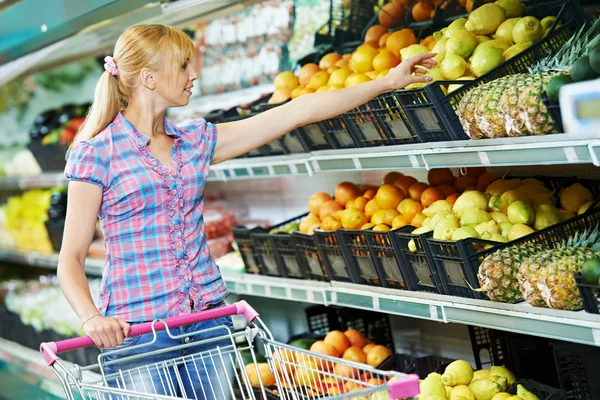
(462,43)
(486,19)
(440,49)
(455,26)
(436,73)
(547,22)
(486,59)
(516,49)
(498,43)
(527,29)
(453,67)
(484,388)
(513,8)
(413,50)
(504,31)
(483,38)
(453,87)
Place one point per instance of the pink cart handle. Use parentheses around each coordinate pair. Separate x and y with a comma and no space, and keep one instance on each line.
(51,349)
(404,388)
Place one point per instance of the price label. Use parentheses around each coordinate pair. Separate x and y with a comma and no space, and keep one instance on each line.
(310,296)
(596,335)
(376,303)
(571,155)
(268,291)
(433,312)
(357,163)
(483,157)
(414,161)
(334,297)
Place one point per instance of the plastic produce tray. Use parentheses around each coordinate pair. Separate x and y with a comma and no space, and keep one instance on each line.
(241,236)
(419,268)
(432,113)
(381,121)
(330,250)
(458,262)
(554,110)
(337,133)
(578,368)
(273,251)
(543,392)
(389,267)
(590,295)
(346,22)
(357,253)
(423,366)
(50,157)
(55,228)
(308,257)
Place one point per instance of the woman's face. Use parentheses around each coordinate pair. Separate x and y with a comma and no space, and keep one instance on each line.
(174,86)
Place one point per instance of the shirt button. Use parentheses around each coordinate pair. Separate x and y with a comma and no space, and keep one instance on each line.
(179,244)
(173,192)
(187,339)
(173,173)
(176,227)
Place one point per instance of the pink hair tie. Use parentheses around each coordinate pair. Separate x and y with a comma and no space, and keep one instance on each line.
(110,66)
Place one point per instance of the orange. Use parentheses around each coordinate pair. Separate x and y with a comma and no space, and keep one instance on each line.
(440,176)
(329,60)
(375,33)
(391,15)
(346,371)
(372,75)
(389,196)
(346,191)
(344,62)
(383,39)
(324,349)
(338,77)
(365,186)
(373,45)
(356,338)
(296,92)
(404,183)
(331,70)
(359,203)
(400,39)
(355,354)
(476,171)
(368,347)
(391,177)
(280,95)
(409,208)
(338,340)
(416,190)
(329,208)
(316,201)
(463,182)
(405,3)
(385,60)
(284,361)
(306,72)
(431,195)
(425,42)
(331,223)
(371,208)
(260,373)
(377,355)
(307,222)
(322,89)
(286,80)
(335,87)
(484,180)
(400,221)
(305,91)
(452,198)
(356,79)
(447,189)
(384,217)
(375,382)
(318,79)
(370,194)
(367,226)
(353,219)
(308,371)
(381,228)
(422,11)
(362,59)
(417,220)
(337,214)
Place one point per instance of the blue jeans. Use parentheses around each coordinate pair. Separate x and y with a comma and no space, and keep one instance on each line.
(195,372)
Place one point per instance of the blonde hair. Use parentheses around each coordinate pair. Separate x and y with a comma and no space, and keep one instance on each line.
(139,47)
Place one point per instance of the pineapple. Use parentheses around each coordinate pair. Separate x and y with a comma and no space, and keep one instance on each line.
(466,113)
(532,111)
(547,279)
(498,272)
(508,106)
(486,112)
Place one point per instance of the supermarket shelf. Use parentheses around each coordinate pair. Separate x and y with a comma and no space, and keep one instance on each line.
(519,151)
(579,327)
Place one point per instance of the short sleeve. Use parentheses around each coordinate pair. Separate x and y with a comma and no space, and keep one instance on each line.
(206,136)
(85,165)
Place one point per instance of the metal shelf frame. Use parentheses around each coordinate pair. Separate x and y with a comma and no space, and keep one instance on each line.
(578,327)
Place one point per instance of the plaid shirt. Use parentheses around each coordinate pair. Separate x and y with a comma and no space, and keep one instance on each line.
(151,216)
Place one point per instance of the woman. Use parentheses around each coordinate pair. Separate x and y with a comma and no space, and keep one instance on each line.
(144,177)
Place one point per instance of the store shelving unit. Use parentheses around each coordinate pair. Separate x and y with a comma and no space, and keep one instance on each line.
(578,327)
(560,149)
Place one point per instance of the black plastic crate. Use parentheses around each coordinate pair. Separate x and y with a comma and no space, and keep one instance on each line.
(418,266)
(293,144)
(387,264)
(357,254)
(458,262)
(322,319)
(330,250)
(269,259)
(337,133)
(381,121)
(544,392)
(347,20)
(308,257)
(590,295)
(424,366)
(432,113)
(488,349)
(313,138)
(578,370)
(397,362)
(245,245)
(55,228)
(554,110)
(50,157)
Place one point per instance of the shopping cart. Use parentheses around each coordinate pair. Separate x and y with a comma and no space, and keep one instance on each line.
(216,366)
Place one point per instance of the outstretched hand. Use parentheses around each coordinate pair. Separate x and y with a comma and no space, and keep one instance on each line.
(401,76)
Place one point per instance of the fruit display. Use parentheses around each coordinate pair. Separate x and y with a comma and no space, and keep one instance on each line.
(513,105)
(58,125)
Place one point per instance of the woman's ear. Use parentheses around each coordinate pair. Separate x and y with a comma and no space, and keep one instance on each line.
(147,78)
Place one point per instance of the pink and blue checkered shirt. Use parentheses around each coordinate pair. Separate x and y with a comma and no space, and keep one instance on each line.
(151,216)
